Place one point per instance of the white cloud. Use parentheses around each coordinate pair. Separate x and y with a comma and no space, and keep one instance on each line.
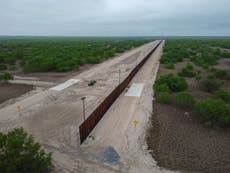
(114,17)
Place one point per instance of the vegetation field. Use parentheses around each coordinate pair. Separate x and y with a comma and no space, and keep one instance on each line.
(42,54)
(197,68)
(191,120)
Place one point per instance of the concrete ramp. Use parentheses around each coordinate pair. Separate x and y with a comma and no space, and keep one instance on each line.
(64,85)
(135,90)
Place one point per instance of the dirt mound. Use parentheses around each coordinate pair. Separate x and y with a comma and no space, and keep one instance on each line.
(180,143)
(8,91)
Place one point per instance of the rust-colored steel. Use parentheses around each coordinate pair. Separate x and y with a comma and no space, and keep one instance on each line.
(89,124)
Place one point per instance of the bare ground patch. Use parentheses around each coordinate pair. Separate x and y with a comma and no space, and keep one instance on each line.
(52,76)
(179,142)
(8,91)
(223,63)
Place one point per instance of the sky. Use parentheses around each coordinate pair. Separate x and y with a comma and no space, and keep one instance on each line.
(115,17)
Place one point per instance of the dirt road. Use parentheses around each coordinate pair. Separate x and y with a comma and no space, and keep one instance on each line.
(53,117)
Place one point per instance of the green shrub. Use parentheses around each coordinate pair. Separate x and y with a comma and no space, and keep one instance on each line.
(205,60)
(12,67)
(163,97)
(187,71)
(226,54)
(174,83)
(6,76)
(20,154)
(198,72)
(189,66)
(212,112)
(161,88)
(212,69)
(198,77)
(169,66)
(224,95)
(205,66)
(211,76)
(3,67)
(173,57)
(209,85)
(216,52)
(221,74)
(185,99)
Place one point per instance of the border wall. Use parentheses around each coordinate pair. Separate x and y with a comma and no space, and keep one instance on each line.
(88,125)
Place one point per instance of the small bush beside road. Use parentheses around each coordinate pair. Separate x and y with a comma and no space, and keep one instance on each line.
(5,77)
(169,66)
(19,153)
(163,97)
(174,83)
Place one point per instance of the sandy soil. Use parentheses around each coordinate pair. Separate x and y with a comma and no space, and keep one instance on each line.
(53,117)
(224,64)
(180,142)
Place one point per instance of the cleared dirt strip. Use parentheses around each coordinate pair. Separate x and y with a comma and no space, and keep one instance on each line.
(88,125)
(117,134)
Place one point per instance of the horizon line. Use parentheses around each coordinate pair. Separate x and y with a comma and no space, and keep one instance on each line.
(164,36)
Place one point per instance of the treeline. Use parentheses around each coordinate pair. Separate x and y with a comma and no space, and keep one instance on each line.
(60,54)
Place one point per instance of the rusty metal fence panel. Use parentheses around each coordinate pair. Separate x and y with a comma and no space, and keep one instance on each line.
(88,125)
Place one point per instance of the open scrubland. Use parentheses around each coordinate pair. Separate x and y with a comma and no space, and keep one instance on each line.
(53,117)
(46,61)
(38,54)
(191,119)
(190,124)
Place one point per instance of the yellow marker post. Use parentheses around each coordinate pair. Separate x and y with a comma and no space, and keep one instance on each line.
(135,122)
(19,109)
